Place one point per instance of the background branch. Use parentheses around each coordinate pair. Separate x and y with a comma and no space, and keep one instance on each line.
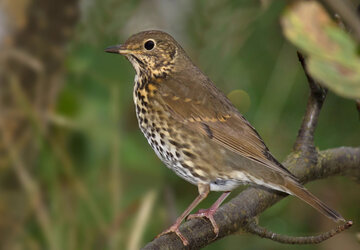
(347,12)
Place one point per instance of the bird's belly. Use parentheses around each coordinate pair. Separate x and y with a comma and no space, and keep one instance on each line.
(187,153)
(172,156)
(169,154)
(225,185)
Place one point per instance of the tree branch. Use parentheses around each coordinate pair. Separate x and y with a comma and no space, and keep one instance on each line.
(236,214)
(345,9)
(305,139)
(254,228)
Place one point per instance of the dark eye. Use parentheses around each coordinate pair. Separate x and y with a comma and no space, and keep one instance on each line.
(149,45)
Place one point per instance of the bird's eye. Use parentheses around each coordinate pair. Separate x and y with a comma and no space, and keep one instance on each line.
(149,45)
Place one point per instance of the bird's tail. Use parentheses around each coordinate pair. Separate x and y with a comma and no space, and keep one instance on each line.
(301,192)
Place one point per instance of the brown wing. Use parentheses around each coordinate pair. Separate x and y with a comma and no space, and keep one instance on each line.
(199,105)
(195,102)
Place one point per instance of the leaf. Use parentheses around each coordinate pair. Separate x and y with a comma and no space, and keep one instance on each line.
(332,54)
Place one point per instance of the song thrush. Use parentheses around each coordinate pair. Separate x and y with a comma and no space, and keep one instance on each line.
(196,131)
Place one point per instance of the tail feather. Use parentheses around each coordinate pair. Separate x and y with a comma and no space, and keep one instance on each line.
(302,193)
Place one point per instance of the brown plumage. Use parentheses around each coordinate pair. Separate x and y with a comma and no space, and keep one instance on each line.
(196,131)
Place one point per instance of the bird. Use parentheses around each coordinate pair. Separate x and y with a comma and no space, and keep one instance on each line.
(197,132)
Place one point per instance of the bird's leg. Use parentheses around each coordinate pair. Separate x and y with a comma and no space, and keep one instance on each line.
(203,193)
(209,213)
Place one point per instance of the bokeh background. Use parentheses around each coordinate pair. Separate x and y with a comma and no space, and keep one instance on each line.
(75,170)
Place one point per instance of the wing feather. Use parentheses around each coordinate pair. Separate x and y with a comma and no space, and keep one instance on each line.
(201,107)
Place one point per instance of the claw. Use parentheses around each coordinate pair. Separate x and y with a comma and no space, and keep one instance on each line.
(209,214)
(175,229)
(203,192)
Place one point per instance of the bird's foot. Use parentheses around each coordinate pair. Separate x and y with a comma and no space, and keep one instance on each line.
(209,214)
(175,229)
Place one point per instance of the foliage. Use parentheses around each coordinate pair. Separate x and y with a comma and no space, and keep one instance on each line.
(333,56)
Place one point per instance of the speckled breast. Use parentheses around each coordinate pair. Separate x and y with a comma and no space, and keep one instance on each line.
(162,135)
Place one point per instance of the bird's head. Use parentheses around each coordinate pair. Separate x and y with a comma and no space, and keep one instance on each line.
(151,52)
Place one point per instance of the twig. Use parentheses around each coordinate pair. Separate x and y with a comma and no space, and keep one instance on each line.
(254,228)
(342,25)
(305,138)
(346,11)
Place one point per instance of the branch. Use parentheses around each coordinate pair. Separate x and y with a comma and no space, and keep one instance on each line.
(305,139)
(254,228)
(345,9)
(236,214)
(342,25)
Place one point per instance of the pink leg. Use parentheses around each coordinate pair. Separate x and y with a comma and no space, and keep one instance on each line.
(209,213)
(203,193)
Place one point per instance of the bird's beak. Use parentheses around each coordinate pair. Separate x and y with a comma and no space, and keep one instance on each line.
(118,49)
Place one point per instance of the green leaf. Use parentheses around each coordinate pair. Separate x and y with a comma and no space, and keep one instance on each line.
(332,54)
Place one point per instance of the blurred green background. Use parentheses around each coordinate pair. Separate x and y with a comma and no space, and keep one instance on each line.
(91,180)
